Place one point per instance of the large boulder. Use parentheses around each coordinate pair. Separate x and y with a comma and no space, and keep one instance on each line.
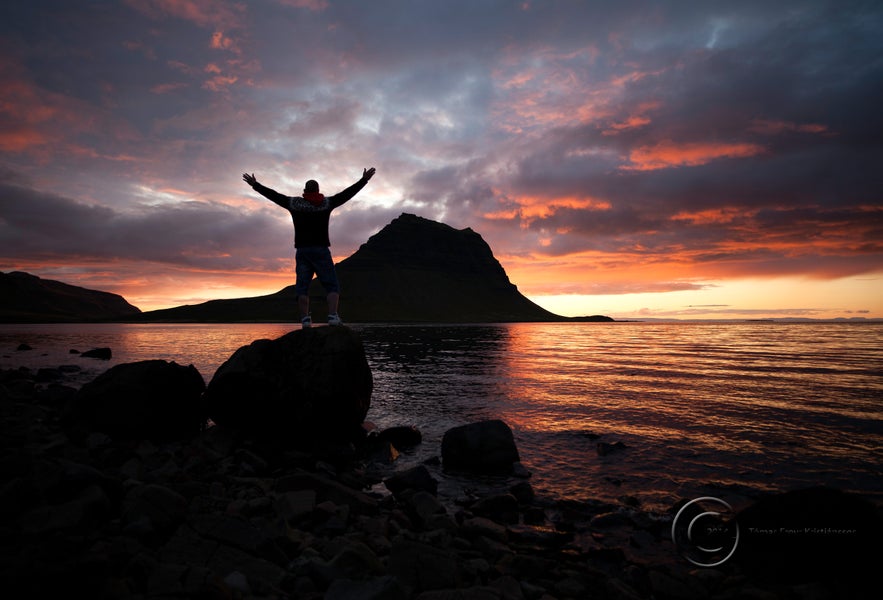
(483,447)
(813,534)
(151,399)
(308,385)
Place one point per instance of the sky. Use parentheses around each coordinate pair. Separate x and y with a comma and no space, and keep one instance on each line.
(693,160)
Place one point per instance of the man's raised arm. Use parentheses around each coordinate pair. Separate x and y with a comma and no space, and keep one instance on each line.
(341,197)
(280,199)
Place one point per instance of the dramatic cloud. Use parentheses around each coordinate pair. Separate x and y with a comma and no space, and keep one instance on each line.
(600,148)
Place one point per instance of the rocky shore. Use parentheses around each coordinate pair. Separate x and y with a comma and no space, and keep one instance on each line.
(219,514)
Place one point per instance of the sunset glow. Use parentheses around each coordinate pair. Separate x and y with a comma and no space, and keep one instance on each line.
(698,160)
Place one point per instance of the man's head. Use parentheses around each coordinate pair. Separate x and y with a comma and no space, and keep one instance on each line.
(311,186)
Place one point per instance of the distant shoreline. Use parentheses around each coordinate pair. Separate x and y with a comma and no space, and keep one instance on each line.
(562,320)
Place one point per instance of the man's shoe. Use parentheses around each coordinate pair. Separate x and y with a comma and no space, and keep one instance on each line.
(334,320)
(306,323)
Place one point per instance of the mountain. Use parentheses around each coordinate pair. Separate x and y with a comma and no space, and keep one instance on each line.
(26,298)
(413,270)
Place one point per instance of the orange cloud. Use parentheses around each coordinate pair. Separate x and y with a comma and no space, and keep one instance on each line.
(668,154)
(223,42)
(530,208)
(20,139)
(711,216)
(632,122)
(595,272)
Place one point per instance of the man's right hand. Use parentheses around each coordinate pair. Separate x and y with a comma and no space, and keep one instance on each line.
(249,179)
(368,174)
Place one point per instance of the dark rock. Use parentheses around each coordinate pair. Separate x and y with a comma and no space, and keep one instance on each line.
(378,450)
(423,507)
(416,478)
(23,348)
(308,385)
(100,353)
(151,399)
(534,516)
(423,567)
(376,588)
(811,534)
(502,508)
(666,586)
(479,592)
(484,447)
(519,470)
(539,536)
(481,526)
(85,510)
(605,448)
(48,374)
(355,561)
(152,508)
(523,492)
(402,437)
(610,520)
(239,533)
(328,489)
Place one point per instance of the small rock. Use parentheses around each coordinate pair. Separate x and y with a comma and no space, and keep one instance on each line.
(416,478)
(499,507)
(480,526)
(666,586)
(356,561)
(293,506)
(99,353)
(423,567)
(376,588)
(424,505)
(238,582)
(402,437)
(483,447)
(605,448)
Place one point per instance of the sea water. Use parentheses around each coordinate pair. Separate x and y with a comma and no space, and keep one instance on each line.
(693,407)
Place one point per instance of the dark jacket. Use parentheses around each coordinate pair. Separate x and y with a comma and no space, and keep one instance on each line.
(310,222)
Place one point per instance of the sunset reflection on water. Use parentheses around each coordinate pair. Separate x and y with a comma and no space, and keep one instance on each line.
(697,405)
(700,407)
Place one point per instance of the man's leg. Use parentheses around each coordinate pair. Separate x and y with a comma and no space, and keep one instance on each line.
(304,270)
(328,277)
(303,303)
(333,301)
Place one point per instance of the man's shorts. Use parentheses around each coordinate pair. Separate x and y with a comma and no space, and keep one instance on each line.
(314,260)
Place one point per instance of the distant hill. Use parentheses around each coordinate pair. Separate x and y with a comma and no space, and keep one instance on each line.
(26,298)
(413,270)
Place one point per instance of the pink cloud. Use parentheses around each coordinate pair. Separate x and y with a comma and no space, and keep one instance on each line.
(669,154)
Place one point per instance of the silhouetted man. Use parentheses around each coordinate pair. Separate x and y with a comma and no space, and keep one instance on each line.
(311,213)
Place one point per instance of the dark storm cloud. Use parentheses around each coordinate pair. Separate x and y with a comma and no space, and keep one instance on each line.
(196,234)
